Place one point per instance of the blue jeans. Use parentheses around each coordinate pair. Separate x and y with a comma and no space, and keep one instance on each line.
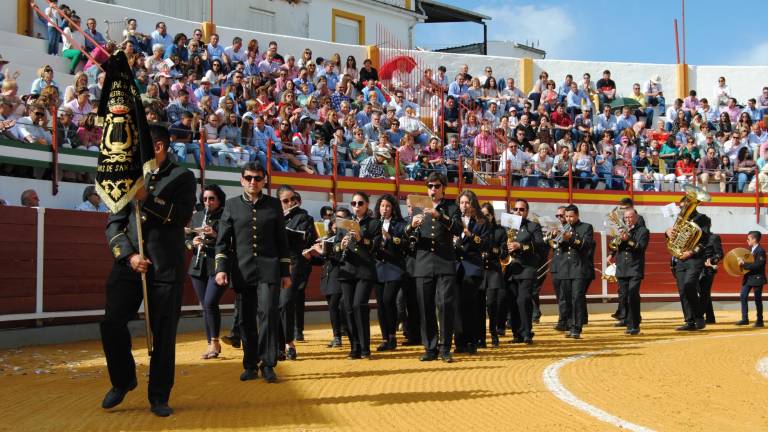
(53,41)
(654,101)
(280,165)
(181,150)
(648,112)
(607,178)
(742,179)
(586,179)
(744,297)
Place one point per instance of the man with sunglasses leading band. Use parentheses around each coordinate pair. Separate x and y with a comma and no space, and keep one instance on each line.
(435,270)
(253,226)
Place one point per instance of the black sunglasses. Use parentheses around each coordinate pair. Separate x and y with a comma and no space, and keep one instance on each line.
(434,185)
(250,178)
(560,216)
(209,198)
(519,209)
(356,203)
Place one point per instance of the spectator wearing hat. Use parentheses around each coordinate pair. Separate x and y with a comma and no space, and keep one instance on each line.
(91,201)
(66,129)
(654,95)
(375,166)
(205,90)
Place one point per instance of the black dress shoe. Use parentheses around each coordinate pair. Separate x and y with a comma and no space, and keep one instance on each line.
(115,395)
(494,340)
(281,356)
(334,343)
(517,340)
(482,344)
(299,337)
(620,324)
(686,327)
(291,354)
(700,324)
(460,349)
(710,321)
(384,346)
(430,356)
(575,335)
(528,340)
(560,328)
(471,349)
(161,409)
(231,340)
(249,374)
(446,357)
(633,332)
(742,322)
(366,355)
(268,373)
(759,324)
(353,355)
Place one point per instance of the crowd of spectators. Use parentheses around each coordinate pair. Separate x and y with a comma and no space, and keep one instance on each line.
(244,99)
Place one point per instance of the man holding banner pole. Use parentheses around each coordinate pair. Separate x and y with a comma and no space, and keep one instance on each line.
(146,237)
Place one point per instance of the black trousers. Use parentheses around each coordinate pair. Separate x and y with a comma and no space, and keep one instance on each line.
(705,294)
(436,293)
(408,307)
(562,313)
(386,301)
(495,311)
(507,313)
(287,307)
(480,316)
(631,288)
(235,332)
(123,297)
(260,324)
(535,297)
(573,302)
(521,296)
(467,322)
(355,296)
(688,287)
(299,307)
(336,311)
(621,307)
(209,294)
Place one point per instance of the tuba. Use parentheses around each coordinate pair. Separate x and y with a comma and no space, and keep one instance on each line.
(687,233)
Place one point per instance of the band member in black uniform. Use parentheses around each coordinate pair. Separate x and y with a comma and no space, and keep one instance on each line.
(713,254)
(167,205)
(469,249)
(556,262)
(254,225)
(629,257)
(300,230)
(389,252)
(408,303)
(201,268)
(575,269)
(525,248)
(753,280)
(300,296)
(493,280)
(357,275)
(329,280)
(687,270)
(621,308)
(435,269)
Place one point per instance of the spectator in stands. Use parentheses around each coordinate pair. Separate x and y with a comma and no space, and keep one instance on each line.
(517,160)
(710,169)
(374,166)
(607,122)
(66,129)
(685,170)
(743,168)
(359,150)
(182,139)
(32,129)
(29,198)
(643,109)
(234,53)
(538,87)
(744,122)
(95,88)
(91,201)
(458,88)
(575,99)
(88,133)
(484,146)
(156,62)
(732,109)
(644,172)
(161,36)
(452,154)
(604,168)
(561,166)
(81,81)
(721,93)
(215,51)
(606,88)
(672,114)
(564,88)
(561,121)
(54,19)
(8,127)
(181,105)
(709,112)
(584,167)
(45,80)
(543,168)
(626,120)
(584,124)
(690,105)
(654,95)
(73,42)
(549,98)
(320,157)
(138,40)
(94,34)
(724,124)
(330,74)
(752,110)
(80,106)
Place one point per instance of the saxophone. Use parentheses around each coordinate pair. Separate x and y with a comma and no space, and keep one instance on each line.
(687,232)
(504,262)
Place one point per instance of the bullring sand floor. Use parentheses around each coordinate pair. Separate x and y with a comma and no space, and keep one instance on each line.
(660,380)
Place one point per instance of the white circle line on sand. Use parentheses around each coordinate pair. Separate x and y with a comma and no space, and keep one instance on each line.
(762,366)
(551,377)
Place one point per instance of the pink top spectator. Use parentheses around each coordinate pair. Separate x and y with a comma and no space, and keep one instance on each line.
(484,144)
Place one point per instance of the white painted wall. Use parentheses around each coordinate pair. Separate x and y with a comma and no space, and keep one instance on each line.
(503,67)
(625,74)
(745,81)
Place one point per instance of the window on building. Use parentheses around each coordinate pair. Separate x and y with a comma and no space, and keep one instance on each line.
(348,28)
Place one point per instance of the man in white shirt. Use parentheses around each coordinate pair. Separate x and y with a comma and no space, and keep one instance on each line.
(518,163)
(161,36)
(512,95)
(235,52)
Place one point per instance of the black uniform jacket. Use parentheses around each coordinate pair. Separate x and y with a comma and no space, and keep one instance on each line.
(495,249)
(574,258)
(329,279)
(526,260)
(714,252)
(411,240)
(630,254)
(390,253)
(300,230)
(165,212)
(256,232)
(435,254)
(207,264)
(756,274)
(469,249)
(358,262)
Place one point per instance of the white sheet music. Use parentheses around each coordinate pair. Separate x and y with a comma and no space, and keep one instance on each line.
(512,221)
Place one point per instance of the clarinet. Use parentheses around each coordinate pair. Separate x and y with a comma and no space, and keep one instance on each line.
(199,255)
